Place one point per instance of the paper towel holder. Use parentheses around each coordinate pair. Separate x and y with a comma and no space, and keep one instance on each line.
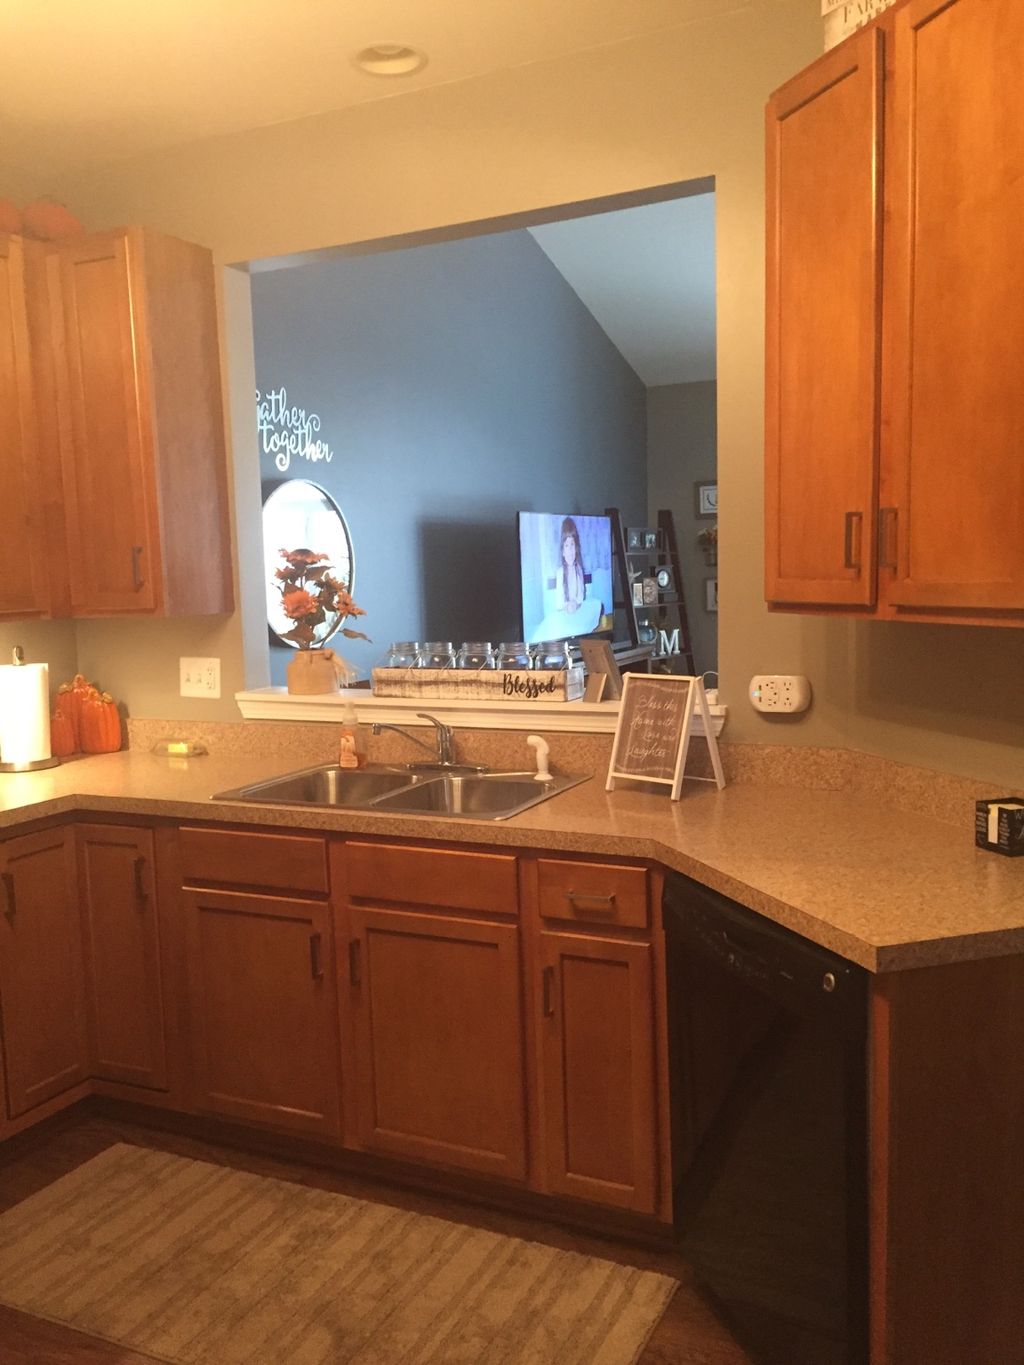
(35,764)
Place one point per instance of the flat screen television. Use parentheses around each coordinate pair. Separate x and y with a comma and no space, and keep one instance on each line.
(565,567)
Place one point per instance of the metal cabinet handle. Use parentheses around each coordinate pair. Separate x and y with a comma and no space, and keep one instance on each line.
(136,567)
(849,560)
(547,982)
(887,522)
(11,905)
(355,975)
(141,894)
(606,903)
(316,969)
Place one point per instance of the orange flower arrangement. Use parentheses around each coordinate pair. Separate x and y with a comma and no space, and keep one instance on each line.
(311,596)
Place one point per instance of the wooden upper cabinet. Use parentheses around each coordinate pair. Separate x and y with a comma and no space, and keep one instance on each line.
(920,459)
(823,333)
(142,438)
(954,445)
(41,976)
(23,590)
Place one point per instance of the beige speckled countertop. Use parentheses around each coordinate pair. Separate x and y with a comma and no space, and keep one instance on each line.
(884,887)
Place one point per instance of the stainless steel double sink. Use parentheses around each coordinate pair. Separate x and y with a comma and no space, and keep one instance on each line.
(453,792)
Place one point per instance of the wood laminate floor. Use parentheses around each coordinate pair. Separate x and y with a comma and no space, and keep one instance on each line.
(688,1334)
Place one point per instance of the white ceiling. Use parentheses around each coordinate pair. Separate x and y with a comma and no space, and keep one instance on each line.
(91,80)
(647,275)
(94,80)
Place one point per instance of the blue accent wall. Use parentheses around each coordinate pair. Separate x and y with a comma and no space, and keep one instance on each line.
(456,384)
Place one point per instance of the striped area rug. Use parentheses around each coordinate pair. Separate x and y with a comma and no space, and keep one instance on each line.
(195,1263)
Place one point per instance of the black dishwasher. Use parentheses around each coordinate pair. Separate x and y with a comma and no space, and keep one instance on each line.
(768,1046)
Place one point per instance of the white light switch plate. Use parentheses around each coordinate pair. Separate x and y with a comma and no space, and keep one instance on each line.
(200,677)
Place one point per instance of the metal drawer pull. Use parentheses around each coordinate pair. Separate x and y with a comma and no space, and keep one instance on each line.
(11,906)
(547,981)
(136,567)
(887,536)
(354,974)
(597,902)
(849,562)
(315,966)
(140,880)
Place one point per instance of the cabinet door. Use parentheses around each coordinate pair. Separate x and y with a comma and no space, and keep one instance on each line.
(106,436)
(955,305)
(598,1070)
(122,948)
(41,977)
(22,583)
(438,1040)
(823,335)
(262,1001)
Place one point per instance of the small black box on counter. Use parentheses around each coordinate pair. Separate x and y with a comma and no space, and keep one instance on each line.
(999,825)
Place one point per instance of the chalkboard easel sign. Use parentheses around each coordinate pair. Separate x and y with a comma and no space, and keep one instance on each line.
(653,733)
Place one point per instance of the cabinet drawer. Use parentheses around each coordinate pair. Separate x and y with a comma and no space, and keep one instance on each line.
(285,862)
(447,878)
(593,893)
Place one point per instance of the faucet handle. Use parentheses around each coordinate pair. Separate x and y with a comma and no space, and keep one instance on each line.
(445,737)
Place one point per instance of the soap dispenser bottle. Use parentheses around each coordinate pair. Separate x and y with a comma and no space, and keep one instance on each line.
(352,746)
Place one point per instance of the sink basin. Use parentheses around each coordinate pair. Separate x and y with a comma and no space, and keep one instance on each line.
(327,785)
(474,796)
(480,796)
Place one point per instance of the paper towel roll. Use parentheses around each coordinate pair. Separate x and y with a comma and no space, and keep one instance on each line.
(24,713)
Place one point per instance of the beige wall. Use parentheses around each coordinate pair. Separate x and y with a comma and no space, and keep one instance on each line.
(684,104)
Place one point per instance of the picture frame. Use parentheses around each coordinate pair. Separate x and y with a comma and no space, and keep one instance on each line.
(705,497)
(711,594)
(650,540)
(638,593)
(599,661)
(634,538)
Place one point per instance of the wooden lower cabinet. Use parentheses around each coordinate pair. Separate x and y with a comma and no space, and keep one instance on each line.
(42,984)
(263,1009)
(127,1038)
(598,1070)
(436,1027)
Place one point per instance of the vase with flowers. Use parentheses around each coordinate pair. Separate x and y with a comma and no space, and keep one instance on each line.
(316,604)
(708,542)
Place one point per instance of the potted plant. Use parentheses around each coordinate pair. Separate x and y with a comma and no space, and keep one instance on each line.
(317,604)
(708,542)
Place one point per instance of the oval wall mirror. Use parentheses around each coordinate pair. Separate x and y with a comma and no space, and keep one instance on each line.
(301,518)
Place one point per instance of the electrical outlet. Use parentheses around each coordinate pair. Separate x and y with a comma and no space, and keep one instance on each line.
(200,677)
(780,692)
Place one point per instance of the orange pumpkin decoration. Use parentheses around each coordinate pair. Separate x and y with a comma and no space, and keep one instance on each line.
(100,725)
(48,221)
(63,741)
(71,698)
(10,216)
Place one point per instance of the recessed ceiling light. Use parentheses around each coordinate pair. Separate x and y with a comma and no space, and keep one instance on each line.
(390,59)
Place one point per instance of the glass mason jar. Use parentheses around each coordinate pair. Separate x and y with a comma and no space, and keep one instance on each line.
(553,654)
(402,654)
(436,654)
(475,654)
(514,654)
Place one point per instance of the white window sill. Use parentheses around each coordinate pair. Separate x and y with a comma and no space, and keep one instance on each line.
(576,717)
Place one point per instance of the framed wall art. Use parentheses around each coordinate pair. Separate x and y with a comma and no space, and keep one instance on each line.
(706,498)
